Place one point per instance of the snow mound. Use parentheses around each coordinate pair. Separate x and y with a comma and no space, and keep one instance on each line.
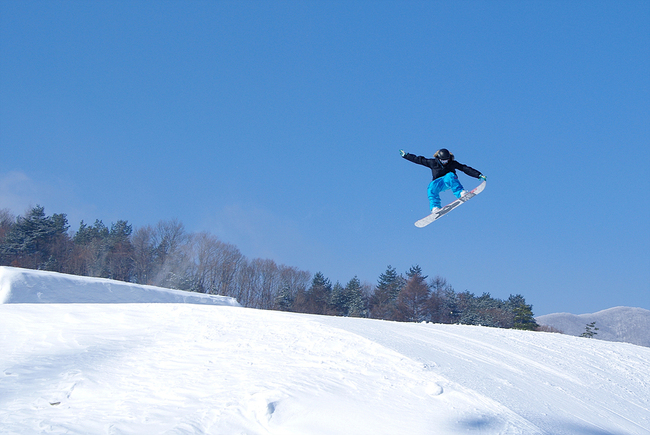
(33,286)
(626,324)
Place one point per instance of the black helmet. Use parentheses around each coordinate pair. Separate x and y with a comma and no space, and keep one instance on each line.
(443,154)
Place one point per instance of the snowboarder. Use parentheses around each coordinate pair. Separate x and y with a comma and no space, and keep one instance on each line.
(443,167)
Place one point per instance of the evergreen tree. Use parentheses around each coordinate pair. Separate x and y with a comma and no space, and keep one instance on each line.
(383,301)
(91,249)
(487,311)
(293,286)
(119,258)
(415,271)
(354,298)
(451,306)
(348,300)
(89,234)
(104,252)
(590,330)
(36,241)
(284,300)
(523,317)
(339,303)
(318,297)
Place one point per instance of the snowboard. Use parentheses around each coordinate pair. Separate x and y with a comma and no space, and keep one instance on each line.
(449,207)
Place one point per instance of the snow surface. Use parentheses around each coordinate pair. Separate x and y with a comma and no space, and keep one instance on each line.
(32,286)
(631,325)
(145,368)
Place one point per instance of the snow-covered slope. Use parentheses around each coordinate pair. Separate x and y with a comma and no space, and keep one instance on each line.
(33,286)
(630,325)
(204,369)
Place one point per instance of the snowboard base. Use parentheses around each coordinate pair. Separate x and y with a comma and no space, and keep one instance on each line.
(449,207)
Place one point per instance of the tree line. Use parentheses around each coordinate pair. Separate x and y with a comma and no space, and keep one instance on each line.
(166,255)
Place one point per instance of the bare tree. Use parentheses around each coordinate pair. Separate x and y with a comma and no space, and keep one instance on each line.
(441,306)
(6,221)
(268,283)
(228,261)
(212,264)
(143,255)
(247,284)
(169,239)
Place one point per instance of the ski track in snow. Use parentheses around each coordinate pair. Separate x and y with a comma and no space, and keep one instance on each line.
(139,368)
(548,379)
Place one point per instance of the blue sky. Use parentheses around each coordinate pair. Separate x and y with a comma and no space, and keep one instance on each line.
(276,126)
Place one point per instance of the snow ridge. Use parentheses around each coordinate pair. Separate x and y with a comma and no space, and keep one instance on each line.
(34,286)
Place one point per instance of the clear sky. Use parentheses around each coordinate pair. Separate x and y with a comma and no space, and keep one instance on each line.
(277,125)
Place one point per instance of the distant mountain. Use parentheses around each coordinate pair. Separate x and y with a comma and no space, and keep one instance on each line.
(626,324)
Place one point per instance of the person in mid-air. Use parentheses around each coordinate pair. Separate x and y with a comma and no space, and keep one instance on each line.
(443,167)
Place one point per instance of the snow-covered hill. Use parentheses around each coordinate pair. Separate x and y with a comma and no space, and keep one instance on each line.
(203,369)
(626,324)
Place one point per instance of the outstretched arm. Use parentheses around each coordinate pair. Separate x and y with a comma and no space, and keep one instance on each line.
(468,170)
(420,160)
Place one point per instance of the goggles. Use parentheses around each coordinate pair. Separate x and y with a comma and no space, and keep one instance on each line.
(444,162)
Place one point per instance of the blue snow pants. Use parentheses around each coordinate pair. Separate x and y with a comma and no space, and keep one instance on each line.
(446,182)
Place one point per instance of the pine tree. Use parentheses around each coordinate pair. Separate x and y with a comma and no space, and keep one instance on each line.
(486,311)
(523,317)
(339,303)
(91,249)
(284,299)
(416,271)
(590,330)
(103,252)
(354,298)
(119,261)
(36,241)
(88,234)
(318,297)
(383,301)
